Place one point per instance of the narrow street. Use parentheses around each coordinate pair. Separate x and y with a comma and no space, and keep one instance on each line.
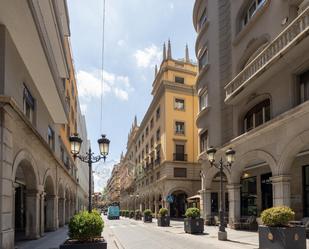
(131,234)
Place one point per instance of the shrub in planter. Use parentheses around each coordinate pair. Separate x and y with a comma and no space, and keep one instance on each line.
(276,232)
(127,213)
(193,223)
(85,232)
(147,215)
(131,214)
(163,218)
(138,214)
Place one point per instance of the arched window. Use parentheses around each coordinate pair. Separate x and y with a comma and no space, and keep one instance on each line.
(257,115)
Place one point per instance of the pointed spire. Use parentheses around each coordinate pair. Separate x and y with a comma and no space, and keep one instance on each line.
(164,52)
(169,50)
(156,70)
(187,59)
(135,121)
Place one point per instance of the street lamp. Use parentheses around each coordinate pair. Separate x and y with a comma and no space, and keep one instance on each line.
(230,158)
(89,158)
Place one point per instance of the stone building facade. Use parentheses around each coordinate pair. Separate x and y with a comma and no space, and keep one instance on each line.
(253,64)
(160,168)
(113,186)
(38,184)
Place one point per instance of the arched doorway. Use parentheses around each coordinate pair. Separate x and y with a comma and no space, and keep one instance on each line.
(49,205)
(178,205)
(26,202)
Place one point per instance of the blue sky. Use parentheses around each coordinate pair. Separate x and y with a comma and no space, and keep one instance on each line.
(135,31)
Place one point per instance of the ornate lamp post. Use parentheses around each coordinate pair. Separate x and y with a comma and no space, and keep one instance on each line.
(230,158)
(89,158)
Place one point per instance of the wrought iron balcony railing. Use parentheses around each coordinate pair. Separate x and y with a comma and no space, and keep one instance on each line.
(291,35)
(180,157)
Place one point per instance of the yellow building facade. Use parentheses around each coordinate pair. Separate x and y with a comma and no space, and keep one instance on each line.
(161,157)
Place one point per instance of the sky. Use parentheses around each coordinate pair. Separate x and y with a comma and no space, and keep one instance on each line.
(135,31)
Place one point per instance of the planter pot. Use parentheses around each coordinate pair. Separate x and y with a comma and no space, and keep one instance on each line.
(282,237)
(137,217)
(164,221)
(194,226)
(147,218)
(89,245)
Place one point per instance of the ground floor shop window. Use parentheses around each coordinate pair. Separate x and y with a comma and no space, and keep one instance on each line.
(214,203)
(248,196)
(306,190)
(267,191)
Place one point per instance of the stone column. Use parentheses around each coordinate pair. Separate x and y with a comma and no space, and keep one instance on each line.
(234,204)
(33,214)
(206,206)
(42,212)
(61,211)
(281,190)
(51,213)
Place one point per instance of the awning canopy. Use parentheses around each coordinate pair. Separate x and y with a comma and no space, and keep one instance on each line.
(194,197)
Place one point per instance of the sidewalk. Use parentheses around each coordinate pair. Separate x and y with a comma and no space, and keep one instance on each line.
(51,240)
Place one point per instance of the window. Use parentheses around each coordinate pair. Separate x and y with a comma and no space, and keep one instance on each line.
(151,142)
(304,87)
(28,104)
(151,123)
(158,135)
(179,128)
(202,19)
(158,113)
(248,197)
(203,60)
(250,11)
(68,131)
(179,80)
(139,143)
(180,155)
(143,138)
(61,153)
(51,138)
(147,149)
(147,131)
(180,172)
(257,115)
(203,99)
(203,141)
(158,175)
(179,104)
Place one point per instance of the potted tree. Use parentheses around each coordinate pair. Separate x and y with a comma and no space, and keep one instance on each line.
(276,231)
(131,214)
(85,232)
(138,214)
(163,218)
(193,223)
(147,215)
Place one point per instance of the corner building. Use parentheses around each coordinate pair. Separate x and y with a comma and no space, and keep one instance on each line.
(160,164)
(253,66)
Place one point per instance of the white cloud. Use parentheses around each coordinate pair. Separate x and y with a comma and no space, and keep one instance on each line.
(83,108)
(171,5)
(121,43)
(89,85)
(148,57)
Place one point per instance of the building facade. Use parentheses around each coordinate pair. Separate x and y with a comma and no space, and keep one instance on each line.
(160,165)
(38,182)
(113,186)
(253,67)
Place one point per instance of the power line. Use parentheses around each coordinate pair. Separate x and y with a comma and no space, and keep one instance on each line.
(102,65)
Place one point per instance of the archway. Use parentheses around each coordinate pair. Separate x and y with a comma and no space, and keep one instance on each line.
(178,204)
(26,203)
(49,205)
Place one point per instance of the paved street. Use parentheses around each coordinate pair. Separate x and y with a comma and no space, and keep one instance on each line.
(131,234)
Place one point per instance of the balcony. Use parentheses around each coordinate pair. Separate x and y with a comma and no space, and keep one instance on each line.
(180,157)
(257,70)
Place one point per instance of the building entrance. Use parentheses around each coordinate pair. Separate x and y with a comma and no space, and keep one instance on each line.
(179,205)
